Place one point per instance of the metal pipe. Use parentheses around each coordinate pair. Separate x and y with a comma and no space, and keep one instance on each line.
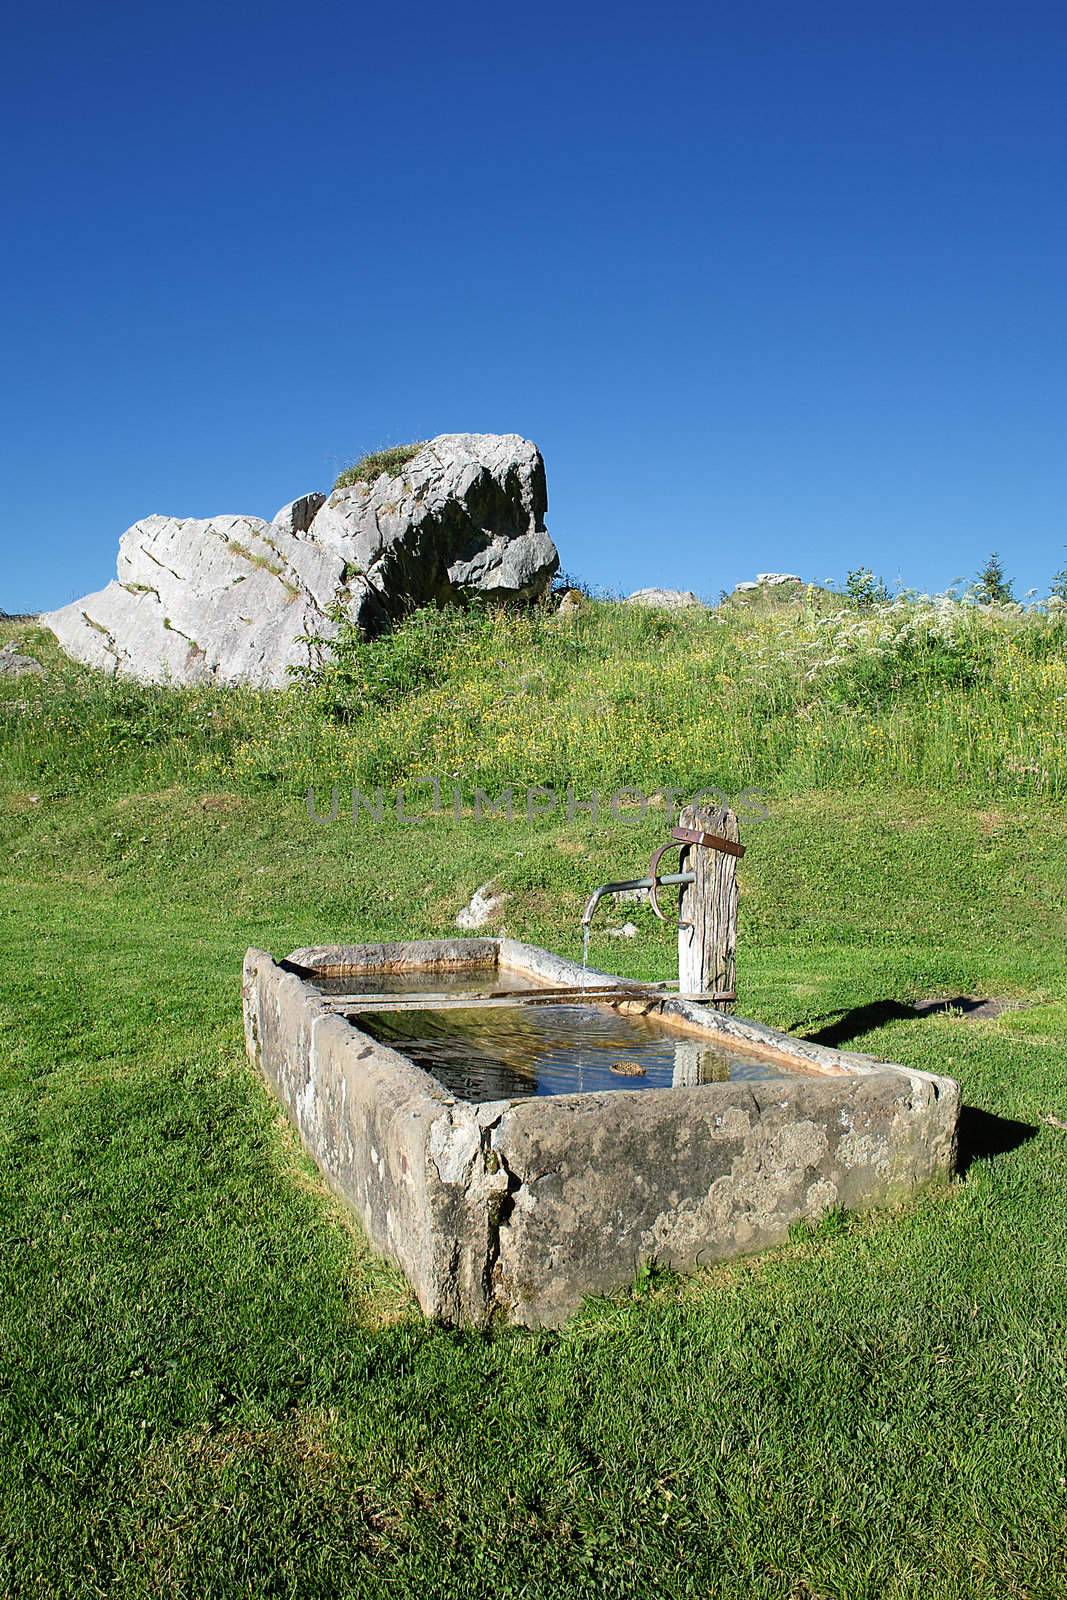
(630,883)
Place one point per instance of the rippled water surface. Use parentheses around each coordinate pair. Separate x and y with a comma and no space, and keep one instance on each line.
(500,1052)
(496,1054)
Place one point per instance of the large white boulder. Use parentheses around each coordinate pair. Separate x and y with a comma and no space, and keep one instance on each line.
(234,599)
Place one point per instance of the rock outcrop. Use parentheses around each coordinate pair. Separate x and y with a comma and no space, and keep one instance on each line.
(483,907)
(664,599)
(15,665)
(233,599)
(768,580)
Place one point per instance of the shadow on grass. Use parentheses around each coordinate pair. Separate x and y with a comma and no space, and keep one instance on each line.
(982,1134)
(853,1024)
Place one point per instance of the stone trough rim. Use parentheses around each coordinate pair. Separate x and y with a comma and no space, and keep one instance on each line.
(394,956)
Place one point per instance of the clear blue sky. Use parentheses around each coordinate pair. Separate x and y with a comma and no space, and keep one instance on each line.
(772,286)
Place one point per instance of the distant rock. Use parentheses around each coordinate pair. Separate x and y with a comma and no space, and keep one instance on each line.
(767,580)
(14,665)
(234,599)
(482,907)
(570,600)
(664,599)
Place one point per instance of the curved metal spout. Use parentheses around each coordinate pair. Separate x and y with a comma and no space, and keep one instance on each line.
(629,883)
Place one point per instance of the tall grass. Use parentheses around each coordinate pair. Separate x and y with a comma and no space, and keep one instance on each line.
(919,693)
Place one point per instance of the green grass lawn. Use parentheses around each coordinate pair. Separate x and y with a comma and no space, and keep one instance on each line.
(210,1386)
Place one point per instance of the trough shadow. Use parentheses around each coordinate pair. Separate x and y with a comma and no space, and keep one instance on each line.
(983,1134)
(852,1025)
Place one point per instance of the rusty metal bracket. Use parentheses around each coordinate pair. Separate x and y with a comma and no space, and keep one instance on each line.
(679,839)
(711,841)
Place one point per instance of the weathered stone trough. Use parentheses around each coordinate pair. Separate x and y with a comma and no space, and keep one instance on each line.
(520,1206)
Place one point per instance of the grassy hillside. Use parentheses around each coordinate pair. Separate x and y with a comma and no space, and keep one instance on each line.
(211,1387)
(792,696)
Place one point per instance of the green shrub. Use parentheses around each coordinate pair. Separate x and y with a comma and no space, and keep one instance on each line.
(1058,590)
(993,587)
(923,647)
(913,648)
(371,466)
(361,675)
(867,590)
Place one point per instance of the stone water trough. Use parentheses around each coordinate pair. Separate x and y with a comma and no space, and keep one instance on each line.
(513,1145)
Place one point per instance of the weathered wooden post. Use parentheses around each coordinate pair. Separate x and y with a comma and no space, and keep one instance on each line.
(707,912)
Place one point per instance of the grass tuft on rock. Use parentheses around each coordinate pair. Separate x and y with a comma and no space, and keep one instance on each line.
(371,466)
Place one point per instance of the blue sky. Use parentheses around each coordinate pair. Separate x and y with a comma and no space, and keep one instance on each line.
(774,287)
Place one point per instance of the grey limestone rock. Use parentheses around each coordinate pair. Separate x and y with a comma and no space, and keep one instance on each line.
(234,599)
(13,664)
(663,599)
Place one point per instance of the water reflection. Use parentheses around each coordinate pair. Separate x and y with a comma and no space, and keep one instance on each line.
(498,1054)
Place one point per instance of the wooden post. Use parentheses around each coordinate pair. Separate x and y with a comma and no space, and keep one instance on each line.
(709,904)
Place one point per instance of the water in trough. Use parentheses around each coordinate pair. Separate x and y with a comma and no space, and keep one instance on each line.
(499,1053)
